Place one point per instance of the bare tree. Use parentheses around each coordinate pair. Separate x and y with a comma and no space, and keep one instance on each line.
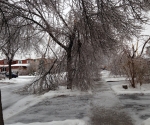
(86,31)
(10,48)
(132,64)
(12,42)
(15,34)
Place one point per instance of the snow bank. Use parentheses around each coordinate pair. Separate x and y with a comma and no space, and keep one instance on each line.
(14,82)
(105,73)
(143,90)
(20,79)
(107,76)
(26,77)
(146,122)
(66,122)
(115,79)
(21,65)
(64,91)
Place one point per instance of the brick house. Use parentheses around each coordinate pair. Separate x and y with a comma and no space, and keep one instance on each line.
(22,65)
(17,65)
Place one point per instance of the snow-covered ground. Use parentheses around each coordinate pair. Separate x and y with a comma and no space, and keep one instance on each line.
(13,103)
(143,90)
(118,89)
(133,97)
(108,77)
(146,122)
(64,107)
(65,122)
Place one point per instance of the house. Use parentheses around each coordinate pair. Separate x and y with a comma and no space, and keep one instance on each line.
(17,65)
(24,65)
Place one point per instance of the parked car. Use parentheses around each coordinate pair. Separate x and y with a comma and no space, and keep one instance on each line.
(13,74)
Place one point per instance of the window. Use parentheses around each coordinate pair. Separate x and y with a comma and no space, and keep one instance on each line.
(19,61)
(4,69)
(28,61)
(5,62)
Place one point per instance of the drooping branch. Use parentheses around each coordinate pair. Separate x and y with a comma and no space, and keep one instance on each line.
(144,46)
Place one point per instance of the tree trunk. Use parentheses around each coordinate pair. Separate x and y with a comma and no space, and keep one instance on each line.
(1,111)
(10,72)
(69,70)
(133,73)
(133,83)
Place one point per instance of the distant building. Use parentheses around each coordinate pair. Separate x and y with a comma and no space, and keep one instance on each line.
(22,65)
(16,65)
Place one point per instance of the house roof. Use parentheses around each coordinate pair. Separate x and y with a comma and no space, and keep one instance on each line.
(3,65)
(20,65)
(16,65)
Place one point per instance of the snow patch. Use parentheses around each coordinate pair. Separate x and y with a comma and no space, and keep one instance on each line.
(115,79)
(143,90)
(66,122)
(108,77)
(146,122)
(20,65)
(19,79)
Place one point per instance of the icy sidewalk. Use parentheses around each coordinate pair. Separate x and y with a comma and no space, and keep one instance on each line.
(106,107)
